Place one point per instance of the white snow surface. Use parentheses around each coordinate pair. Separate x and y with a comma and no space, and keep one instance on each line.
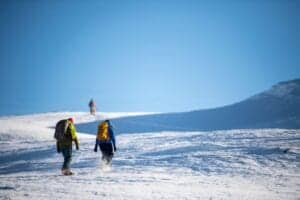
(232,164)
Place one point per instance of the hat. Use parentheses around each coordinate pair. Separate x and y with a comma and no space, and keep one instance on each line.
(71,120)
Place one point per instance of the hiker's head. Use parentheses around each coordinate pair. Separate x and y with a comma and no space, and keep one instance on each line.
(71,120)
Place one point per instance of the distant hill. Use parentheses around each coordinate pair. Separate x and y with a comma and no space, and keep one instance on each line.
(278,107)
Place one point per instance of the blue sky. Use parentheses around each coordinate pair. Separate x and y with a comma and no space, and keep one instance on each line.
(143,55)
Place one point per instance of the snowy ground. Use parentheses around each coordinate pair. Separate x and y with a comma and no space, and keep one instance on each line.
(237,164)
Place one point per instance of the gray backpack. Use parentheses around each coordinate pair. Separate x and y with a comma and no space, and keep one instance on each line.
(61,130)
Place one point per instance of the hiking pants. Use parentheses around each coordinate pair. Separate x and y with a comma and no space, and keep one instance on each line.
(67,154)
(107,151)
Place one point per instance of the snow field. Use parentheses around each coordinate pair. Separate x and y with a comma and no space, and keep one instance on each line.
(233,164)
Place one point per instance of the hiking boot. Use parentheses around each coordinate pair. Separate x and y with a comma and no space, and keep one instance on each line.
(66,172)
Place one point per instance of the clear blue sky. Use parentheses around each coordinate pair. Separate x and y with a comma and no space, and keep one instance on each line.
(143,55)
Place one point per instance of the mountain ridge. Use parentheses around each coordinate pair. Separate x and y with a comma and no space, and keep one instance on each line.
(278,107)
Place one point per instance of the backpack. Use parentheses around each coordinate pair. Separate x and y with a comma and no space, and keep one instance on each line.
(103,133)
(61,130)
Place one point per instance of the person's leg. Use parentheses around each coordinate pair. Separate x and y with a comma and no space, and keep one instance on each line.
(67,153)
(109,158)
(104,156)
(107,152)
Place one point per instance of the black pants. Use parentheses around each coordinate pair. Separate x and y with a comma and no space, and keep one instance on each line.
(107,152)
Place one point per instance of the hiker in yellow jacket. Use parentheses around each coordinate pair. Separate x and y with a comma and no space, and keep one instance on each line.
(65,134)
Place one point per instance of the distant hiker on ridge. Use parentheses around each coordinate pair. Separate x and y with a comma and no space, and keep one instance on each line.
(65,134)
(92,106)
(107,142)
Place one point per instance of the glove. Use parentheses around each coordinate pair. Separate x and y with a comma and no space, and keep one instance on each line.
(95,149)
(115,148)
(77,144)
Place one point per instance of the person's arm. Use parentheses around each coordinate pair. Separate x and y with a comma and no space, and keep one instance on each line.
(96,146)
(74,135)
(77,144)
(112,136)
(57,147)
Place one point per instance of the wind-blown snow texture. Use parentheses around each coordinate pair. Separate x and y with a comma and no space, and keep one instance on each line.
(236,164)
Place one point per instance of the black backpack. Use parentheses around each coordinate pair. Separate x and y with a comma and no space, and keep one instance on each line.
(61,130)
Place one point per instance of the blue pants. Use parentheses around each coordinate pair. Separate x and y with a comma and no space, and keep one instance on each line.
(67,153)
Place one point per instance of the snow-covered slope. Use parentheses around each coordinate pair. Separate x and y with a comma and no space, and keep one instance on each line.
(285,90)
(41,125)
(278,107)
(236,164)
